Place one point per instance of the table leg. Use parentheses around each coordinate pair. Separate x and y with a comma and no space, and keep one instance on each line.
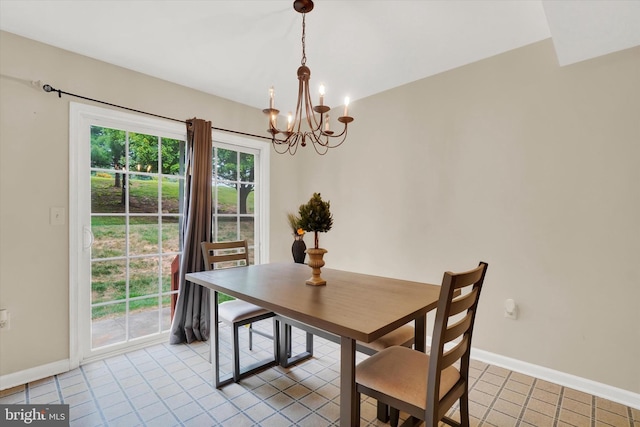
(348,408)
(286,358)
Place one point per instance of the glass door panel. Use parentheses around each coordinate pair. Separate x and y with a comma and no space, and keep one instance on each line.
(234,196)
(135,220)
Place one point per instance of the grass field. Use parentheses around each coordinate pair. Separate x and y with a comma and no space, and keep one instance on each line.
(148,239)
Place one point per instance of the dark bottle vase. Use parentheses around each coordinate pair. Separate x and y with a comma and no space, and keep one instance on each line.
(298,250)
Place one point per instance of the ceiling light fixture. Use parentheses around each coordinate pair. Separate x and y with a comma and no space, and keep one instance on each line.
(310,127)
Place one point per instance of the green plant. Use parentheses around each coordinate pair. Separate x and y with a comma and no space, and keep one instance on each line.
(294,223)
(316,216)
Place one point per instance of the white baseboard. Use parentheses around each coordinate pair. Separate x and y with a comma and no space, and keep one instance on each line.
(608,392)
(33,374)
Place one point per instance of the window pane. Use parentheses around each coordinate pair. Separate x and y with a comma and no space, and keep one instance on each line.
(143,276)
(166,312)
(143,317)
(172,156)
(247,228)
(227,198)
(166,272)
(171,194)
(143,235)
(226,165)
(227,229)
(108,280)
(143,194)
(246,167)
(143,153)
(109,236)
(247,199)
(170,234)
(108,325)
(107,192)
(107,148)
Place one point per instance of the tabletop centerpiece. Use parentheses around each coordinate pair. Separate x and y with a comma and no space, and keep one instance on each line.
(315,216)
(299,247)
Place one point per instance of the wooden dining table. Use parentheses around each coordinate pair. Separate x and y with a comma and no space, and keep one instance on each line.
(352,306)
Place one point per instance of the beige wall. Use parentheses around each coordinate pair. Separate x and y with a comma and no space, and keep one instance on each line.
(512,160)
(34,176)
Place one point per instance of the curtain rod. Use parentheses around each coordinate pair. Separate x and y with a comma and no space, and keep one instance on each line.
(49,88)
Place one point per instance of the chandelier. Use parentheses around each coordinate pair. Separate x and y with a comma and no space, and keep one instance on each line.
(310,123)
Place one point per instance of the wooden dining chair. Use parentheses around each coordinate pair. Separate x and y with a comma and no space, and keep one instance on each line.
(423,385)
(238,313)
(403,336)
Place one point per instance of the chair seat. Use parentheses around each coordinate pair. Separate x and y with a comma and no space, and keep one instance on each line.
(401,372)
(404,336)
(237,310)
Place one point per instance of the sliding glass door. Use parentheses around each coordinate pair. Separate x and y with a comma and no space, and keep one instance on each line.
(125,215)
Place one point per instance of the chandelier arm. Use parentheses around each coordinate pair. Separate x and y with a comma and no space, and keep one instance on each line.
(312,121)
(297,118)
(342,134)
(316,139)
(344,131)
(296,143)
(322,151)
(277,144)
(292,148)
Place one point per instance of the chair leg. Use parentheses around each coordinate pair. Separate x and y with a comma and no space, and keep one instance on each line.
(276,341)
(235,351)
(250,336)
(464,409)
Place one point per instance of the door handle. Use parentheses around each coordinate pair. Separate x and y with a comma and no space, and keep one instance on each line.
(87,237)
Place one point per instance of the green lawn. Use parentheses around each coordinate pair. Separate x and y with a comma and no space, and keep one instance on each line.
(110,240)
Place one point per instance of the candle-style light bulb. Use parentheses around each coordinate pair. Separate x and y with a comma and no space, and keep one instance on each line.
(289,122)
(321,94)
(346,106)
(271,97)
(273,121)
(326,122)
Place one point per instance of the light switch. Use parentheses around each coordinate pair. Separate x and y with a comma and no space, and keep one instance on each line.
(56,216)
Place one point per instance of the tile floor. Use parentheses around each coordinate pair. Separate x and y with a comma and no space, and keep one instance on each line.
(170,385)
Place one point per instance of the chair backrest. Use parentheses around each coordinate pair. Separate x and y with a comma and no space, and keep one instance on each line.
(219,255)
(454,321)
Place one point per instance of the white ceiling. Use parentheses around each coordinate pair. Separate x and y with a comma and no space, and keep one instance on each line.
(238,49)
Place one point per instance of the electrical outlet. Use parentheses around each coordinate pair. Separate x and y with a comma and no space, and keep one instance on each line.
(510,309)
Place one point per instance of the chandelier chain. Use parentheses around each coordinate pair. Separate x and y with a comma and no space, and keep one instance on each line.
(304,54)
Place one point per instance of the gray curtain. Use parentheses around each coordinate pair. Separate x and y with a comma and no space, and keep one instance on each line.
(191,318)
